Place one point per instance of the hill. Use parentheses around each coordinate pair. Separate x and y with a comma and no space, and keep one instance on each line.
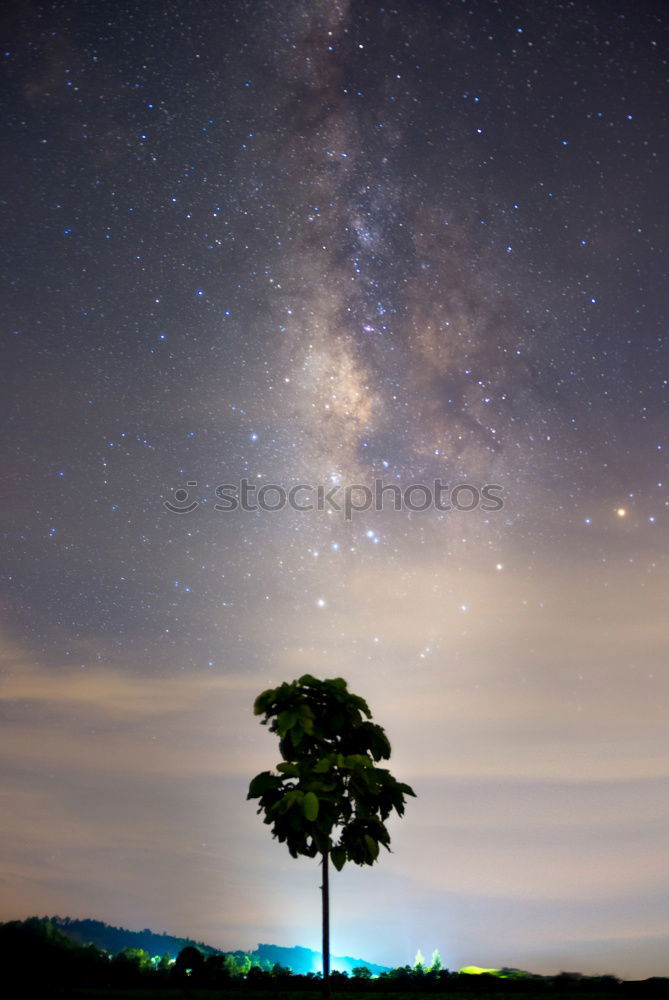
(114,939)
(303,960)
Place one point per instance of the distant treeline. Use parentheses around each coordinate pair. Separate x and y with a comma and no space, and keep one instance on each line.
(265,956)
(115,939)
(42,957)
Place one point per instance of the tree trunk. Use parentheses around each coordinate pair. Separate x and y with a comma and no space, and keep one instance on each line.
(326,927)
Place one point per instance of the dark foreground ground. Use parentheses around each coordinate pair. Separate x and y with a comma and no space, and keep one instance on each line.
(481,991)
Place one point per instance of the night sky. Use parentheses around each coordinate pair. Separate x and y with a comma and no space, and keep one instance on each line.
(328,243)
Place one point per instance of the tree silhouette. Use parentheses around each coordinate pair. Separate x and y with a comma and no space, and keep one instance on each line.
(419,963)
(328,798)
(361,972)
(189,964)
(436,963)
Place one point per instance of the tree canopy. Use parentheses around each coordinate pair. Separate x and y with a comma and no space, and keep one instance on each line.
(328,796)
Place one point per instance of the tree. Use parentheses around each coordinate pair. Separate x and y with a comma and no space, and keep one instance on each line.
(244,965)
(361,972)
(216,971)
(435,964)
(189,962)
(165,962)
(419,963)
(328,798)
(129,966)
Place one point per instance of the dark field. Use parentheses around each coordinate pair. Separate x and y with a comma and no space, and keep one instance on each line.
(482,990)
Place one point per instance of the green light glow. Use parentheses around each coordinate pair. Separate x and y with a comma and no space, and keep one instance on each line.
(476,970)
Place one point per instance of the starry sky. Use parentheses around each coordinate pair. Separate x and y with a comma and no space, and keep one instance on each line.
(329,243)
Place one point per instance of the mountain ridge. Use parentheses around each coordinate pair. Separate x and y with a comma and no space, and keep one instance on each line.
(113,939)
